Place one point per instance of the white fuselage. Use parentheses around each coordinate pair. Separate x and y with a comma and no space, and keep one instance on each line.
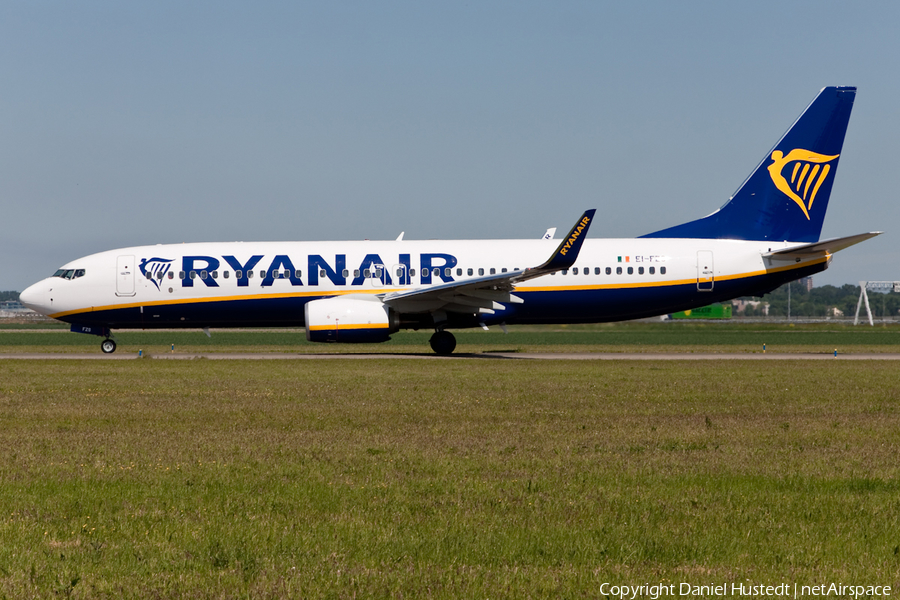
(267,283)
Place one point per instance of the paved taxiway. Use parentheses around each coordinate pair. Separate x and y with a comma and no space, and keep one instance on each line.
(486,356)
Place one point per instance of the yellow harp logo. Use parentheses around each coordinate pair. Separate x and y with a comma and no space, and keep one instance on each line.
(809,172)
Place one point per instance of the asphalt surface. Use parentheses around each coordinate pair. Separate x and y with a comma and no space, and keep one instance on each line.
(485,356)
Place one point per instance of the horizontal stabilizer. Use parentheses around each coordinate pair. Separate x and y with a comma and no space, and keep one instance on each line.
(824,247)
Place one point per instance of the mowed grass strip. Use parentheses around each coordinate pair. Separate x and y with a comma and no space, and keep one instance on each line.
(624,337)
(284,479)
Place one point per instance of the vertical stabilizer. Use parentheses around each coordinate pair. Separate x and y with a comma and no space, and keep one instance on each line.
(785,198)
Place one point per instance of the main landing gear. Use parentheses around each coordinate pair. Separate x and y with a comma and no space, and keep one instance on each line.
(443,342)
(108,346)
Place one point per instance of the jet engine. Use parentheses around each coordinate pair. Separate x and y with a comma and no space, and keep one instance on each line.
(350,319)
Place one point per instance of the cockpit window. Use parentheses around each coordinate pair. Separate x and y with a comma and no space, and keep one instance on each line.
(69,273)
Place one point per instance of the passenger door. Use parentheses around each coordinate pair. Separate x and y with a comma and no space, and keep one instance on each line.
(125,276)
(705,272)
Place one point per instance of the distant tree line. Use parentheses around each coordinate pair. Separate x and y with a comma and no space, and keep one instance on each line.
(4,296)
(819,301)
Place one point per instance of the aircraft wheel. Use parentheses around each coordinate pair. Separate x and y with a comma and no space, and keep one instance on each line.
(443,342)
(108,346)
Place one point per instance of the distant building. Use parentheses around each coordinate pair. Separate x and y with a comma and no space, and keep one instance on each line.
(740,306)
(806,282)
(13,309)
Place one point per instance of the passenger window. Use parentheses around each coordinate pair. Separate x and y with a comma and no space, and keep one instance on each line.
(355,272)
(587,270)
(378,273)
(367,273)
(652,270)
(459,272)
(493,271)
(565,271)
(609,270)
(400,272)
(470,272)
(574,270)
(345,273)
(631,270)
(193,274)
(321,272)
(640,270)
(215,274)
(249,274)
(412,272)
(662,270)
(225,274)
(238,274)
(503,270)
(149,275)
(481,270)
(618,270)
(203,274)
(262,274)
(436,272)
(298,273)
(596,270)
(447,272)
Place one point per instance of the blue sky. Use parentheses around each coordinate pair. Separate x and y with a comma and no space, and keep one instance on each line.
(128,123)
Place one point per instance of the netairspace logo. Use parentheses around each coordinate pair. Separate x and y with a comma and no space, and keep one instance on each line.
(737,590)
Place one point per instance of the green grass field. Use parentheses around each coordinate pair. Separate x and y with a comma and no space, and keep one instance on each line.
(619,337)
(446,479)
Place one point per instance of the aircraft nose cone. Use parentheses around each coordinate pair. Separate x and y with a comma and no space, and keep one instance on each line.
(37,297)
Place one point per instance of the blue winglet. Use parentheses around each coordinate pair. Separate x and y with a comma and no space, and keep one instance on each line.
(567,252)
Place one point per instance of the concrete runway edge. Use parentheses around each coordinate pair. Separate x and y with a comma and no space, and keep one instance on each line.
(486,356)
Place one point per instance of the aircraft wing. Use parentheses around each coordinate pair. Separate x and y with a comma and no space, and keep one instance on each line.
(821,248)
(484,294)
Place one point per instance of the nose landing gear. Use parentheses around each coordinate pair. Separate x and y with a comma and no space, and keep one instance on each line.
(443,342)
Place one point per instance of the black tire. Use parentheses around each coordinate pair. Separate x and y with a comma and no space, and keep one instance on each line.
(443,342)
(108,346)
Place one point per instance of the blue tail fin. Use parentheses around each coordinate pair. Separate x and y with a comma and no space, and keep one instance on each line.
(785,198)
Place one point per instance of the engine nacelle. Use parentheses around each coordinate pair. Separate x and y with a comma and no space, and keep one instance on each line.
(350,319)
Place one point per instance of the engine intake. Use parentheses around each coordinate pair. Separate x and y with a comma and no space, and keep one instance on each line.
(346,319)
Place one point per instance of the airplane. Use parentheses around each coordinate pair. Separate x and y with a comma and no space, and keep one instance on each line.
(767,234)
